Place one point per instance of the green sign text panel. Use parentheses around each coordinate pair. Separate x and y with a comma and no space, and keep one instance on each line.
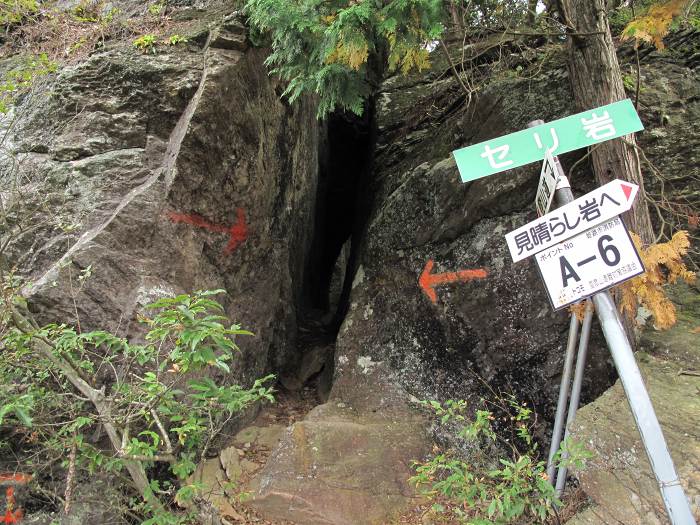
(559,136)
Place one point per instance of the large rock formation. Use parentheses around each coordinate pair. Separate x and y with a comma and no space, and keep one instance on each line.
(166,173)
(183,170)
(395,343)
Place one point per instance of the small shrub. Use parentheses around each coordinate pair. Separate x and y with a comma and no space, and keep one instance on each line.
(20,80)
(158,401)
(156,8)
(146,43)
(483,489)
(174,40)
(88,11)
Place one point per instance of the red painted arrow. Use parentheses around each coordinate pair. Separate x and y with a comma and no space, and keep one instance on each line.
(428,281)
(238,232)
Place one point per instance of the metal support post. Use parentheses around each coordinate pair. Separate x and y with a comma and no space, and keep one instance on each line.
(677,505)
(672,493)
(576,388)
(563,395)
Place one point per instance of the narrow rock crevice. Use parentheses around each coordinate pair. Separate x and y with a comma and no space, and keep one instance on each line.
(343,205)
(341,212)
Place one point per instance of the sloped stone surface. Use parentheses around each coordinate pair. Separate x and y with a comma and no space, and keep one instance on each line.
(341,467)
(395,343)
(618,479)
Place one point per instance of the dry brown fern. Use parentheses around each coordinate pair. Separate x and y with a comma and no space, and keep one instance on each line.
(579,310)
(653,26)
(664,265)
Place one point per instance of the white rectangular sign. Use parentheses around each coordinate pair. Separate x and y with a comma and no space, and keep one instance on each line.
(547,185)
(588,263)
(595,207)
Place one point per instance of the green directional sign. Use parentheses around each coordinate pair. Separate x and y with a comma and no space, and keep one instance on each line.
(559,136)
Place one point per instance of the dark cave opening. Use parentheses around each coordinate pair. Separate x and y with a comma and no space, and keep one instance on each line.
(343,204)
(341,215)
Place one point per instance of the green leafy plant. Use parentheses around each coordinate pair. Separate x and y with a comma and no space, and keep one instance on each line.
(146,43)
(484,479)
(334,49)
(160,405)
(156,8)
(15,11)
(629,82)
(176,39)
(87,11)
(20,80)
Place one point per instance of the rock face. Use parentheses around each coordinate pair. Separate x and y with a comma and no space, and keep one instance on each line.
(500,329)
(341,467)
(618,479)
(395,341)
(395,344)
(165,174)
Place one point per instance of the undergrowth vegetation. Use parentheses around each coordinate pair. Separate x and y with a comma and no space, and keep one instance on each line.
(73,404)
(68,35)
(21,78)
(491,471)
(42,37)
(16,11)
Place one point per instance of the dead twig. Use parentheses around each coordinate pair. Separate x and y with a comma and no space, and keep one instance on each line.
(70,478)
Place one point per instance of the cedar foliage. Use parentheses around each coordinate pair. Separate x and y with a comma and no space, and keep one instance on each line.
(326,47)
(664,265)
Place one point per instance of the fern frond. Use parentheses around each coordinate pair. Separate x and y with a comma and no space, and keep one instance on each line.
(664,265)
(653,26)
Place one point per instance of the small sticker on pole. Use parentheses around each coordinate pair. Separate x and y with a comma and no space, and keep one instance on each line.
(549,176)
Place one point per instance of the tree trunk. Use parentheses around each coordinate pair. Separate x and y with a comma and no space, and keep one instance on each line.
(531,12)
(456,18)
(596,80)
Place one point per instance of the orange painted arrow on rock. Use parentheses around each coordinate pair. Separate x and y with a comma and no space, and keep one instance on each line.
(428,281)
(238,232)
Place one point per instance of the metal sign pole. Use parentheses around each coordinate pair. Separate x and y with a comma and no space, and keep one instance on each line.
(563,395)
(676,503)
(576,387)
(672,492)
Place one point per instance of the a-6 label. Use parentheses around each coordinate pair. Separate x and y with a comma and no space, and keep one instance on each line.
(590,262)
